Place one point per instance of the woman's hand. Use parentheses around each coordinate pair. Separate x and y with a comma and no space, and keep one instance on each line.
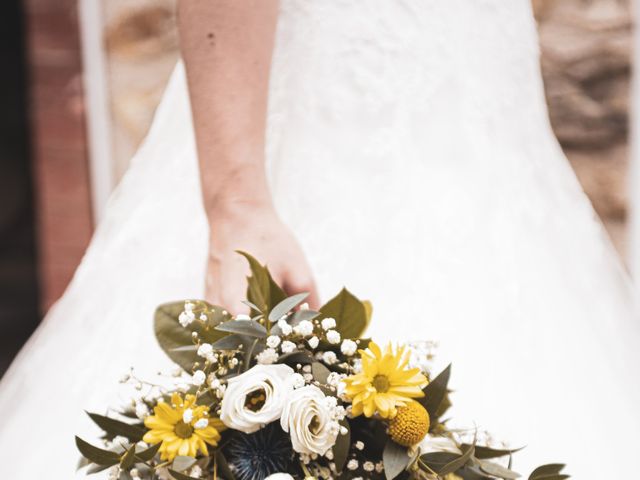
(258,230)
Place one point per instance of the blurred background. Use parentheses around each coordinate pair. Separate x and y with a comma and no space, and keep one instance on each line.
(82,80)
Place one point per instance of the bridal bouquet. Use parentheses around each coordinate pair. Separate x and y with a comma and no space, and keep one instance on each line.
(290,392)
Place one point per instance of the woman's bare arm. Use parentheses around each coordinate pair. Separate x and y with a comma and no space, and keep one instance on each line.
(226,46)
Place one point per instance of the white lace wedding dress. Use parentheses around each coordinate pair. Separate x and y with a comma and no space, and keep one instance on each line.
(410,151)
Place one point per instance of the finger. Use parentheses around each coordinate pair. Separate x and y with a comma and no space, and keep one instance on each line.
(234,287)
(300,281)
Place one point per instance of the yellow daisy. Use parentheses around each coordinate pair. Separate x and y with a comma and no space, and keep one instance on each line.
(384,383)
(183,428)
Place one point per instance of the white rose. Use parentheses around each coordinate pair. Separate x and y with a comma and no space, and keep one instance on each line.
(279,476)
(271,382)
(309,421)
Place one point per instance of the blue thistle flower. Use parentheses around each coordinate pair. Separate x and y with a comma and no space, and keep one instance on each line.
(257,455)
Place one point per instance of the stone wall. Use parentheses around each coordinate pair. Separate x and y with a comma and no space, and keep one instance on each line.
(585,46)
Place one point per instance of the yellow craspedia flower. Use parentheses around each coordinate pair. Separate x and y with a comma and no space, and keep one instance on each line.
(384,383)
(410,425)
(183,428)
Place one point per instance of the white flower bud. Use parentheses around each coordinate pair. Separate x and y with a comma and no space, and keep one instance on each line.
(304,328)
(333,337)
(287,346)
(198,378)
(328,323)
(313,342)
(273,341)
(267,356)
(200,424)
(285,328)
(348,347)
(205,350)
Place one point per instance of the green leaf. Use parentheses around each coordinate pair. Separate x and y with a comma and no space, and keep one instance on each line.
(232,342)
(149,453)
(438,460)
(435,392)
(497,470)
(320,372)
(115,427)
(349,312)
(549,472)
(368,310)
(301,315)
(181,463)
(171,335)
(181,476)
(484,453)
(395,458)
(459,462)
(223,466)
(97,455)
(286,305)
(128,458)
(341,447)
(262,291)
(293,358)
(243,327)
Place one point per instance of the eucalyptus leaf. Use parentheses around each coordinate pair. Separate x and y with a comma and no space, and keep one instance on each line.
(231,342)
(292,358)
(243,327)
(181,476)
(97,455)
(286,305)
(223,466)
(116,427)
(251,305)
(320,372)
(550,471)
(181,463)
(395,458)
(459,462)
(128,458)
(147,454)
(301,315)
(484,453)
(435,392)
(341,447)
(186,348)
(171,335)
(438,460)
(349,312)
(497,470)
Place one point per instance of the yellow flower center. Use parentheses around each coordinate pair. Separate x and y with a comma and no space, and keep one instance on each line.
(410,425)
(381,383)
(183,430)
(255,400)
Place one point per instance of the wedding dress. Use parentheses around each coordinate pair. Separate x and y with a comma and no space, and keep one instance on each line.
(410,151)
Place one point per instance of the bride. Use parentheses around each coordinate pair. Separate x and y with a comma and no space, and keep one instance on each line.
(399,147)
